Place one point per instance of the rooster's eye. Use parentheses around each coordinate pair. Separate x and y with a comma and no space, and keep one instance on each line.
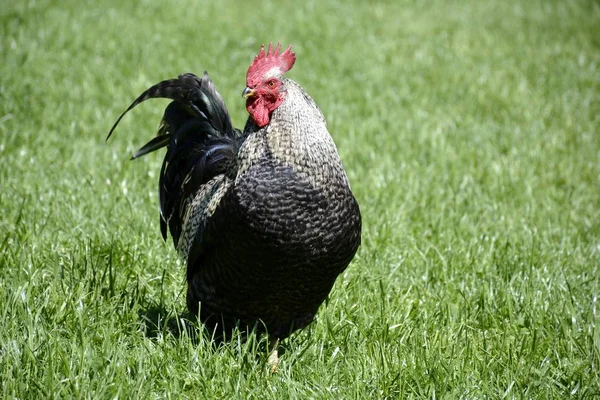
(271,84)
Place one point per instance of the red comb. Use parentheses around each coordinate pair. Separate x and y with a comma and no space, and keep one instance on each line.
(264,62)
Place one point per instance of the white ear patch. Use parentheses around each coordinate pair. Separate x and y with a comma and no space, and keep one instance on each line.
(272,73)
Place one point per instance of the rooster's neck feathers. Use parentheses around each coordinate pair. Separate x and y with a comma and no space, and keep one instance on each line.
(296,136)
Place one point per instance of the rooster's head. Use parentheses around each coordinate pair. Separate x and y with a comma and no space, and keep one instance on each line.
(264,92)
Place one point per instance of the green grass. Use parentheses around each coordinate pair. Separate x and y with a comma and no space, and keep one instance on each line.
(471,135)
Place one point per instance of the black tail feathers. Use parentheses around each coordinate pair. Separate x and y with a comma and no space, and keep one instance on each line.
(196,96)
(200,139)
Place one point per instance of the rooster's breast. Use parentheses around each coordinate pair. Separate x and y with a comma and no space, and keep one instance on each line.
(282,212)
(281,243)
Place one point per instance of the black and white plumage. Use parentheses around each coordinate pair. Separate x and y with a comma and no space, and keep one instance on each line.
(264,219)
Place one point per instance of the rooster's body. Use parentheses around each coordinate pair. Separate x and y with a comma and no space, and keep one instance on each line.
(264,218)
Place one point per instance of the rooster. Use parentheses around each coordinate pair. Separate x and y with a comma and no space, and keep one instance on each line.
(264,218)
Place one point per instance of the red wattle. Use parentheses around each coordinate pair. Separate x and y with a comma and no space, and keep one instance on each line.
(259,112)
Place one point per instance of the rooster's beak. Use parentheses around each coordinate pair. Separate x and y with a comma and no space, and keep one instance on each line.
(247,93)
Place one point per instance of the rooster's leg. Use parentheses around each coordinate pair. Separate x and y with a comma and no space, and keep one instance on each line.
(273,359)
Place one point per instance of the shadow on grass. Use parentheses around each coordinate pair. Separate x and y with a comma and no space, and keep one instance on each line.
(158,321)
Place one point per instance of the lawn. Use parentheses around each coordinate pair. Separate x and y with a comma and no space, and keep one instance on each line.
(470,132)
